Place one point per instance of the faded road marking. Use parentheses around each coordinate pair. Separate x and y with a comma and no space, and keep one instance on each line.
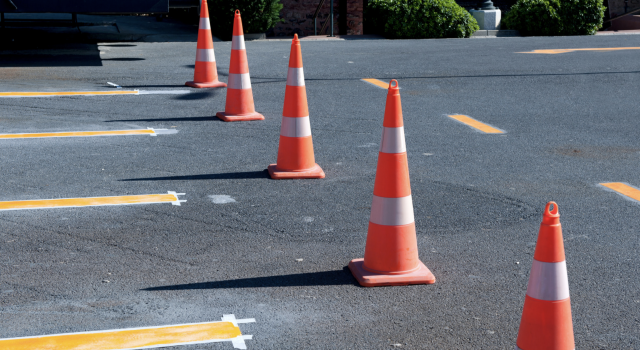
(138,338)
(170,197)
(68,93)
(221,199)
(557,51)
(149,131)
(476,124)
(93,93)
(623,189)
(378,83)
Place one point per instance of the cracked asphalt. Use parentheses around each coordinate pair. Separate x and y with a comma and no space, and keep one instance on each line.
(571,122)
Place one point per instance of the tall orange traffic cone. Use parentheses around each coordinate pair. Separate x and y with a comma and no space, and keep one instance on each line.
(391,253)
(206,73)
(546,316)
(239,106)
(295,151)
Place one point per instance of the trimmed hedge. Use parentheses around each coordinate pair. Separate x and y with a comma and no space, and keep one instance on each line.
(258,16)
(555,17)
(581,17)
(408,19)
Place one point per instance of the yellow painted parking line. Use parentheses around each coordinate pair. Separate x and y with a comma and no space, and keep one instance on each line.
(67,93)
(557,51)
(623,189)
(378,83)
(170,197)
(80,134)
(476,124)
(137,338)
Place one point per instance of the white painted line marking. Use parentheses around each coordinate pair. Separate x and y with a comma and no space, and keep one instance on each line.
(221,199)
(178,200)
(163,131)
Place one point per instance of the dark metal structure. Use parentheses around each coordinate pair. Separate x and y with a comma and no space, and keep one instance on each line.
(327,21)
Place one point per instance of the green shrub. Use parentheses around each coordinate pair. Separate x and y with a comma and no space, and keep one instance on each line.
(534,17)
(419,19)
(581,17)
(258,16)
(555,17)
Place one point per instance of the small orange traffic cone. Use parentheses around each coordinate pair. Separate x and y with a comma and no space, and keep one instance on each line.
(239,105)
(206,73)
(295,150)
(391,253)
(546,316)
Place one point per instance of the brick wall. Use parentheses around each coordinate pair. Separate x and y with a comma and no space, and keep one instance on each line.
(348,17)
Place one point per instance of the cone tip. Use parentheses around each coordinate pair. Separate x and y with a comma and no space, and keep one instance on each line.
(295,37)
(393,84)
(551,210)
(551,215)
(237,12)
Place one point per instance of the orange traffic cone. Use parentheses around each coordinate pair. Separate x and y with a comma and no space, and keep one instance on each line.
(295,151)
(546,316)
(391,253)
(239,106)
(206,73)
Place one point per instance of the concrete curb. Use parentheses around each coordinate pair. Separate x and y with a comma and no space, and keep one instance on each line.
(495,33)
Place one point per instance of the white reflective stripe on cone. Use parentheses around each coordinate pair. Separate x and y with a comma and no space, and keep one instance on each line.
(548,281)
(295,77)
(295,127)
(205,55)
(393,140)
(239,81)
(204,23)
(237,42)
(391,211)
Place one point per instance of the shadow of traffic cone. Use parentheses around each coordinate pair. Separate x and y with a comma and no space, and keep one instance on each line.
(206,73)
(295,150)
(239,105)
(546,316)
(391,252)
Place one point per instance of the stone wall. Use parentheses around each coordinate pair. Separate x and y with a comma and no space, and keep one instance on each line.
(298,16)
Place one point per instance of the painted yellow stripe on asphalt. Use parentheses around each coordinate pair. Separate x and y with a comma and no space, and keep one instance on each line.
(623,189)
(68,93)
(378,83)
(557,51)
(476,124)
(151,337)
(79,134)
(89,201)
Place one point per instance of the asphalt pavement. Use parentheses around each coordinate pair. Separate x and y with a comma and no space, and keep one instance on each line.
(234,247)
